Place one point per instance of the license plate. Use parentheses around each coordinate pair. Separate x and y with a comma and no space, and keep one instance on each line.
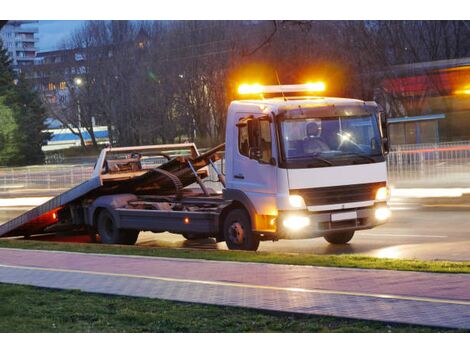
(344,216)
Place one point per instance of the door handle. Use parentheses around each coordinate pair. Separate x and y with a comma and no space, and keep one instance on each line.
(239,176)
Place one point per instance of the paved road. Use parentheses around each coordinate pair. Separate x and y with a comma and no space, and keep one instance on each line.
(421,228)
(405,297)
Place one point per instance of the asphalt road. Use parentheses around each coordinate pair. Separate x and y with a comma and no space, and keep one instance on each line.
(420,228)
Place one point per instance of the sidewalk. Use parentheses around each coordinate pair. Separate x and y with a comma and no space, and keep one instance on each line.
(407,297)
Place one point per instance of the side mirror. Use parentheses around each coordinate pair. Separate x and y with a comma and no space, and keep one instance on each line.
(384,131)
(385,145)
(255,153)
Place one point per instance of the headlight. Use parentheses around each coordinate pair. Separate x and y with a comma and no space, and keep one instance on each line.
(294,222)
(382,194)
(296,201)
(382,213)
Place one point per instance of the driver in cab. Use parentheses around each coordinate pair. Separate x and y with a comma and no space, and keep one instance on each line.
(313,142)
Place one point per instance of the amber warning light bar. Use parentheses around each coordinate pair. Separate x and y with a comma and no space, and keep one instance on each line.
(311,87)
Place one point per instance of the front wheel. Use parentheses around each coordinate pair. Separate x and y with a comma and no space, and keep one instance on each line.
(111,234)
(238,233)
(339,237)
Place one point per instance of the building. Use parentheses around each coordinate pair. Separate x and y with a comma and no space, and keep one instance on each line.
(54,74)
(19,39)
(435,99)
(58,76)
(63,137)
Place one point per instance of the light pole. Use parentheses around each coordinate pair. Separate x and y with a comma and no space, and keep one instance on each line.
(78,82)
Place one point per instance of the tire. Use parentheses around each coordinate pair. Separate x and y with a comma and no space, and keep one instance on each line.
(238,233)
(339,237)
(110,234)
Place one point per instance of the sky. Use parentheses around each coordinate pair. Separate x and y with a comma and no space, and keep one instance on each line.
(52,33)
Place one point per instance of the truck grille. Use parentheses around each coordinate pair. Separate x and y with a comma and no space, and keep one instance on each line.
(338,194)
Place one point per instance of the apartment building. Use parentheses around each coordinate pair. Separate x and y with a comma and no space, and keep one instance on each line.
(20,40)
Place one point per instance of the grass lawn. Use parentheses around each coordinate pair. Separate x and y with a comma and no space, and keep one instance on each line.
(349,261)
(31,309)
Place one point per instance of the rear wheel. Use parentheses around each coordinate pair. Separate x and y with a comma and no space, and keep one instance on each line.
(340,237)
(110,234)
(238,233)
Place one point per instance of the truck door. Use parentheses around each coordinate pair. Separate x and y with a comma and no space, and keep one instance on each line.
(254,166)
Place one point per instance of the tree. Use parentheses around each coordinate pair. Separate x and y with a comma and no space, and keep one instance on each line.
(9,146)
(22,118)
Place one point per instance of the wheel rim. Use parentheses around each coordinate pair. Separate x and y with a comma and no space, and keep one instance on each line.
(236,233)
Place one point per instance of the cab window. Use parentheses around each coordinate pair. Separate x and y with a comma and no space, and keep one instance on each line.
(254,139)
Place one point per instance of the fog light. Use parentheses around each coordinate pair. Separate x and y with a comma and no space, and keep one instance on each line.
(296,222)
(382,194)
(296,201)
(382,213)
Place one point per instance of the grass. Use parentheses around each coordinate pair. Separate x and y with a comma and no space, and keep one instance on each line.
(30,309)
(346,261)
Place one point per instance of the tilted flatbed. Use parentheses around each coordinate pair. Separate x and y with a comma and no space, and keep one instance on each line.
(66,212)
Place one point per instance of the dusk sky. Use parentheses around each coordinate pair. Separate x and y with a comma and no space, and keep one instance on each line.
(52,33)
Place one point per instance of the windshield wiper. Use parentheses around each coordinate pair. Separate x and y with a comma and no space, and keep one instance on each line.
(371,159)
(322,160)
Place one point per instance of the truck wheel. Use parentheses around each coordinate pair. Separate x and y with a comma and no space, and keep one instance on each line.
(237,231)
(340,237)
(110,234)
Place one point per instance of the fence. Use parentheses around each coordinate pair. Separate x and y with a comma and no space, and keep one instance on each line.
(423,165)
(56,178)
(44,177)
(439,165)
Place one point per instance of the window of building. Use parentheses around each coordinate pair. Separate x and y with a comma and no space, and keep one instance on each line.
(52,99)
(62,85)
(51,86)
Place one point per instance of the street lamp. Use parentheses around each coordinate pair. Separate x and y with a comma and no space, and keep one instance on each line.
(78,82)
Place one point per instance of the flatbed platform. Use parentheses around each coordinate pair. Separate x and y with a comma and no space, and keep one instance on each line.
(118,171)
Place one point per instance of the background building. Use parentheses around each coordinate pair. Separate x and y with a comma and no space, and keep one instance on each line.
(19,39)
(435,98)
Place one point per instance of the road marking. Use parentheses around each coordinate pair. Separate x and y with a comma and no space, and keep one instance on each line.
(429,192)
(403,208)
(389,235)
(242,285)
(447,205)
(23,201)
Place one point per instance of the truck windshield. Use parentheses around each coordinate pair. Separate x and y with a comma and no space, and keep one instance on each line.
(312,142)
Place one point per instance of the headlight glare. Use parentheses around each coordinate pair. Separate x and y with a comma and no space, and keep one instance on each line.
(382,194)
(296,201)
(295,222)
(382,213)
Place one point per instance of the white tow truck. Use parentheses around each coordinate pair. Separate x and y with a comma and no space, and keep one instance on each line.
(296,166)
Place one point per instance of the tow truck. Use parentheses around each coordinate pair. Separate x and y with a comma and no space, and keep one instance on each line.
(298,166)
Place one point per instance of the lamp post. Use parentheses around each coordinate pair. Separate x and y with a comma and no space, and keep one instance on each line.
(78,82)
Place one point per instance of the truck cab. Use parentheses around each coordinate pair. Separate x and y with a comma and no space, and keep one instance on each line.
(305,166)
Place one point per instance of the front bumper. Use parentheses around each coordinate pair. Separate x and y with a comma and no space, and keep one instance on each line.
(321,223)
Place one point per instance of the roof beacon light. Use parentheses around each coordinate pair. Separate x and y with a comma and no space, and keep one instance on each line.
(316,86)
(250,89)
(311,87)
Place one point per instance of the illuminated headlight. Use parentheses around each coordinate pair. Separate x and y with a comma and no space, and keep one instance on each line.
(382,194)
(296,222)
(296,201)
(382,213)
